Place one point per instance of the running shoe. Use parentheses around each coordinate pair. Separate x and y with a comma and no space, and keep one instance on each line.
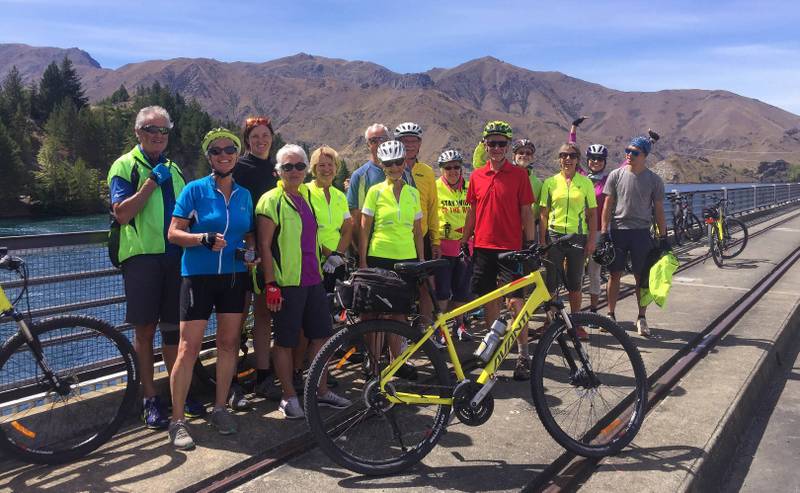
(268,389)
(522,371)
(291,408)
(223,421)
(179,436)
(193,409)
(154,414)
(236,399)
(642,328)
(329,399)
(462,334)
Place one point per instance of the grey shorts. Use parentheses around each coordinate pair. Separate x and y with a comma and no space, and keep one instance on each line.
(152,289)
(304,308)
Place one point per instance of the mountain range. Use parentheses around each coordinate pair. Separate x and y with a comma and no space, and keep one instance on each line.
(317,100)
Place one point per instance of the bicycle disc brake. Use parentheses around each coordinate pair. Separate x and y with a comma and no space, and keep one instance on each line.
(468,414)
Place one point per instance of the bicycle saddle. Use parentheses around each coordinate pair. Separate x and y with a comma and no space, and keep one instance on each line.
(419,269)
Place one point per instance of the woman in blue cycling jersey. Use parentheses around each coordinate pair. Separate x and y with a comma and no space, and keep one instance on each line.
(213,222)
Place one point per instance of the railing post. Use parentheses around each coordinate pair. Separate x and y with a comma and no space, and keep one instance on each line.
(755,197)
(774,194)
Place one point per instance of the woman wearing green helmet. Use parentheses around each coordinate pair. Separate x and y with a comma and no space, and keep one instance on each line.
(212,221)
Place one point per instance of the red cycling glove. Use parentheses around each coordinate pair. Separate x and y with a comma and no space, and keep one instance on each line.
(273,294)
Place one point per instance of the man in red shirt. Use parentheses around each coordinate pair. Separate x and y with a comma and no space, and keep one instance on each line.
(500,215)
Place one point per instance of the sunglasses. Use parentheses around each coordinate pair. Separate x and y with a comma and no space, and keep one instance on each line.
(291,166)
(394,162)
(451,168)
(524,153)
(632,152)
(153,129)
(596,158)
(496,143)
(216,151)
(566,155)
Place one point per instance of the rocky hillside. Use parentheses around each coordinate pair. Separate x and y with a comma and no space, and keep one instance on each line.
(320,100)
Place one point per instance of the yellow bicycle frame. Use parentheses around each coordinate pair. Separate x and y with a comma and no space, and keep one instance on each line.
(539,296)
(5,303)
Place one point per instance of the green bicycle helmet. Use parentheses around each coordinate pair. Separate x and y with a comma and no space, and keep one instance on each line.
(498,127)
(220,133)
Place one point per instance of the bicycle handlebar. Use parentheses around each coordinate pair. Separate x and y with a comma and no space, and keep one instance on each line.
(535,250)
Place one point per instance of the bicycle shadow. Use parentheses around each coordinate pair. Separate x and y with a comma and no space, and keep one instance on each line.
(137,458)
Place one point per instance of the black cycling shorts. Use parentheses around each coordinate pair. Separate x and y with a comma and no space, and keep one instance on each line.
(152,287)
(487,269)
(572,252)
(224,293)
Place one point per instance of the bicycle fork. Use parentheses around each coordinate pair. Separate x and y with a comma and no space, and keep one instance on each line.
(62,387)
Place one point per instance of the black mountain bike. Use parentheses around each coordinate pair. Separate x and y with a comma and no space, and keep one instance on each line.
(684,223)
(67,383)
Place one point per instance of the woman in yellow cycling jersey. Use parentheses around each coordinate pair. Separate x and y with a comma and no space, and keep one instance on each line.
(335,227)
(568,206)
(453,280)
(391,226)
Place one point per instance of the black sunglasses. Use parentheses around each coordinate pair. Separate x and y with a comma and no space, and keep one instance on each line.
(393,162)
(153,129)
(291,166)
(496,143)
(632,152)
(216,151)
(565,155)
(596,157)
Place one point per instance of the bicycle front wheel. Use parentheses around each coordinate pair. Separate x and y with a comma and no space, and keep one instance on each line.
(715,245)
(374,436)
(734,237)
(92,390)
(581,395)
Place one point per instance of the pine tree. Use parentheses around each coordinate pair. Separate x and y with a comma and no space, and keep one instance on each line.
(120,95)
(14,96)
(11,169)
(51,91)
(72,84)
(341,175)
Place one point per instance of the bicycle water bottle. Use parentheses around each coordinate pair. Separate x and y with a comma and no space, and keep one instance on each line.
(491,340)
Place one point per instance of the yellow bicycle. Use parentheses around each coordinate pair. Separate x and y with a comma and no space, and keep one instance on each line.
(590,394)
(727,236)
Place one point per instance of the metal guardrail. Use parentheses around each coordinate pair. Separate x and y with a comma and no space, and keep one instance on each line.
(71,272)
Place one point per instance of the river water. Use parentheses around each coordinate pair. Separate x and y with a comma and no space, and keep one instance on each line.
(27,226)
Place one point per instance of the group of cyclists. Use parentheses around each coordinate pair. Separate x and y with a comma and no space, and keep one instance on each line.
(257,232)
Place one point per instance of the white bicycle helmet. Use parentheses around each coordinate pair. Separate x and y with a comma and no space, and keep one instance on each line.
(408,128)
(391,150)
(448,156)
(597,150)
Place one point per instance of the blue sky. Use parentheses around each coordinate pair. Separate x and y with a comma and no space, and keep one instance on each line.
(748,47)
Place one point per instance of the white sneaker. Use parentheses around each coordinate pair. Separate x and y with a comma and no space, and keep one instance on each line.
(291,408)
(642,328)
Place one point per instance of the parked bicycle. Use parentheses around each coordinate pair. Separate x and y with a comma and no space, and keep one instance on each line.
(727,236)
(684,223)
(67,383)
(578,387)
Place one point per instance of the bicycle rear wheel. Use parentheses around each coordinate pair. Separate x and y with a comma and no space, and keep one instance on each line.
(580,400)
(693,227)
(734,237)
(97,369)
(374,436)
